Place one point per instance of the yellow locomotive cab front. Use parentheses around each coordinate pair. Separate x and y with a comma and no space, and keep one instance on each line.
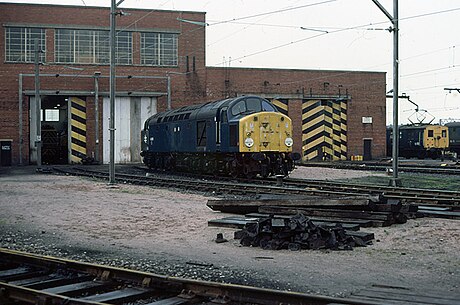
(436,136)
(265,132)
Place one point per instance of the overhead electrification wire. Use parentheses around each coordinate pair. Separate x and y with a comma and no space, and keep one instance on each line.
(432,13)
(300,40)
(428,71)
(273,12)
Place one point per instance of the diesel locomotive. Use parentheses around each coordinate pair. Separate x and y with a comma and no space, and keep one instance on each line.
(420,141)
(454,137)
(241,136)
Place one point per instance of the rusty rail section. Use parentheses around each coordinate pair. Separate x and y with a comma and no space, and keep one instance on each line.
(33,279)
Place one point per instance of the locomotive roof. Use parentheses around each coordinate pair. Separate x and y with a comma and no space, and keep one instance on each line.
(198,111)
(416,126)
(453,124)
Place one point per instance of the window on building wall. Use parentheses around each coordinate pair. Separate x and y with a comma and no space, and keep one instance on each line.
(52,115)
(159,49)
(19,44)
(90,46)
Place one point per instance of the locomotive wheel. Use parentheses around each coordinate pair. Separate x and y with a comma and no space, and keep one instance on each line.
(264,171)
(250,175)
(421,154)
(233,169)
(234,173)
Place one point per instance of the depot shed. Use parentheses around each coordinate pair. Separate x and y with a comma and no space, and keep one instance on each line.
(160,64)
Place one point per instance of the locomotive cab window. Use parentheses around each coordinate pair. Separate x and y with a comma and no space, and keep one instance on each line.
(239,108)
(430,133)
(267,107)
(253,104)
(444,134)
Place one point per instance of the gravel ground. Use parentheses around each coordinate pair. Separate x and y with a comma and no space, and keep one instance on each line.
(165,231)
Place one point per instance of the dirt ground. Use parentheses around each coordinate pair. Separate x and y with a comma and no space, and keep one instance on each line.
(166,231)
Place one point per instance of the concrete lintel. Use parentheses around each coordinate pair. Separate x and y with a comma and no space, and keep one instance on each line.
(90,93)
(297,96)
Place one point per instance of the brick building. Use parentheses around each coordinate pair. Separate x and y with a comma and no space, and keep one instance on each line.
(336,114)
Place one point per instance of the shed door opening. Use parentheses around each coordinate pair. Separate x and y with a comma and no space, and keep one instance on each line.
(54,130)
(367,150)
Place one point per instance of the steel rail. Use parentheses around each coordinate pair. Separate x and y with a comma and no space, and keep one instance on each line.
(414,192)
(164,288)
(428,169)
(204,185)
(259,186)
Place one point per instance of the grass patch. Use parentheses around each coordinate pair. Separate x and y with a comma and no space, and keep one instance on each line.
(414,180)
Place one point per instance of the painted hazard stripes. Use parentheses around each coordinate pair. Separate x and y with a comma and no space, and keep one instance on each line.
(281,105)
(78,129)
(324,130)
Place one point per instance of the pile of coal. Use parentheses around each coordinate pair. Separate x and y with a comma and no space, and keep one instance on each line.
(296,233)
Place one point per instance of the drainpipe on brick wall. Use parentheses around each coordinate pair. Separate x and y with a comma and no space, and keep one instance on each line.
(20,119)
(38,105)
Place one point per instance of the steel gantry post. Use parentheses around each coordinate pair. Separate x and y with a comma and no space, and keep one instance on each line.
(395,180)
(113,41)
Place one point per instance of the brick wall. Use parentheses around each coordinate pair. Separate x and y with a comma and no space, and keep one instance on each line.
(189,84)
(186,88)
(366,91)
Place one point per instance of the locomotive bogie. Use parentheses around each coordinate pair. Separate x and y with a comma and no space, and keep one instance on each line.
(246,165)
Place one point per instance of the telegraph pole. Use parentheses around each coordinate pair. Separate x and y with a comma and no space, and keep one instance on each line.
(38,104)
(113,42)
(395,180)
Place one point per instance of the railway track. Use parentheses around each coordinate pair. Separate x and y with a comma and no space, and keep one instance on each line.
(296,187)
(409,194)
(32,279)
(412,168)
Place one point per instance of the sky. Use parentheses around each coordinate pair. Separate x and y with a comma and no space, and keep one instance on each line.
(335,35)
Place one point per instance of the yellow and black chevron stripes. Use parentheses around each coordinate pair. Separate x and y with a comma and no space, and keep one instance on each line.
(281,105)
(324,130)
(78,129)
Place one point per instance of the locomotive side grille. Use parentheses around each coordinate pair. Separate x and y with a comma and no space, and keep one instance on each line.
(324,130)
(78,129)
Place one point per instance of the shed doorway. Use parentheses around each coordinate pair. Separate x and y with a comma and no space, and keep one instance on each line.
(367,150)
(54,130)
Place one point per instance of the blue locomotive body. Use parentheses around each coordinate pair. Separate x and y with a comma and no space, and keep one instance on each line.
(236,136)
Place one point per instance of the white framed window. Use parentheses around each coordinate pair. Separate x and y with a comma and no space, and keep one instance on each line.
(20,44)
(159,49)
(91,46)
(52,115)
